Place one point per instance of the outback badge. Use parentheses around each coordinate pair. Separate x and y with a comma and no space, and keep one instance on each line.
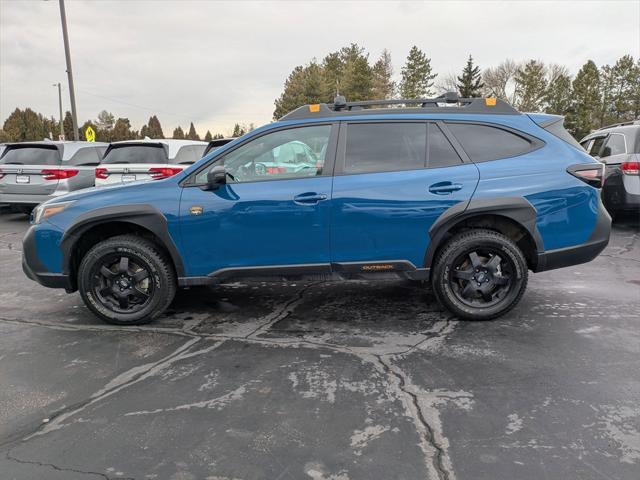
(196,210)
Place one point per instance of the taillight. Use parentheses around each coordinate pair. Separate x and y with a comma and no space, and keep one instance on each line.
(158,173)
(59,173)
(102,173)
(276,170)
(628,168)
(590,173)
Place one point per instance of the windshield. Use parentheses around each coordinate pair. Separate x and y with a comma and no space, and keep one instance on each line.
(31,156)
(136,154)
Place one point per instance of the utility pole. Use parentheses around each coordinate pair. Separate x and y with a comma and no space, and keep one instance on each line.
(67,53)
(60,103)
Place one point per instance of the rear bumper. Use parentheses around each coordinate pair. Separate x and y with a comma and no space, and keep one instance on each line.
(35,270)
(24,199)
(583,253)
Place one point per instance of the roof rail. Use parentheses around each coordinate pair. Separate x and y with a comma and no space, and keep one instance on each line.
(449,102)
(621,124)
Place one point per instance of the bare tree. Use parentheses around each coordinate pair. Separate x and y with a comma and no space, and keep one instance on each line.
(447,83)
(499,81)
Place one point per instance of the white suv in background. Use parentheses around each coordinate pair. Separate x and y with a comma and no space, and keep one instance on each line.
(132,160)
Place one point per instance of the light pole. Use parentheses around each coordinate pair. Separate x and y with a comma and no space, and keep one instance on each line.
(67,53)
(60,104)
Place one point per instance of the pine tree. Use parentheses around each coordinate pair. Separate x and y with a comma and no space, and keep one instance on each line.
(530,86)
(383,85)
(218,136)
(470,82)
(557,99)
(122,130)
(207,136)
(68,125)
(238,130)
(357,75)
(417,76)
(585,105)
(292,96)
(178,133)
(155,129)
(192,134)
(105,120)
(618,84)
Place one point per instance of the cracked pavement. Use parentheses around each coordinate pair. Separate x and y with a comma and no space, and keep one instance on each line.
(326,381)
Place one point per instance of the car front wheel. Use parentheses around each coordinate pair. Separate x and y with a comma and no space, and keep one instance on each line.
(126,280)
(479,275)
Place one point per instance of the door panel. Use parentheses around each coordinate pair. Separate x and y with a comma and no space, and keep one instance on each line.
(387,215)
(256,224)
(274,208)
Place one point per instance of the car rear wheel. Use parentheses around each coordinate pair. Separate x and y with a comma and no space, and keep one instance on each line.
(479,275)
(126,280)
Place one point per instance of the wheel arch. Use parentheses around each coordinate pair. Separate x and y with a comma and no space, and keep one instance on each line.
(514,217)
(95,225)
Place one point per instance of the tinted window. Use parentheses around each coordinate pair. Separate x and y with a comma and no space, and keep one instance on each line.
(596,146)
(85,156)
(31,156)
(381,147)
(441,152)
(559,131)
(293,153)
(136,154)
(482,142)
(615,145)
(189,154)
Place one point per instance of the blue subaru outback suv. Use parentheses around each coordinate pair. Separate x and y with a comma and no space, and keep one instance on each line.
(467,193)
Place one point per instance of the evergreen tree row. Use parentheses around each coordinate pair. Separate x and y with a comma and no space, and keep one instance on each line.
(595,97)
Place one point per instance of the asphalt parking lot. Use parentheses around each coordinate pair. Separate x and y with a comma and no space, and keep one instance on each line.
(326,381)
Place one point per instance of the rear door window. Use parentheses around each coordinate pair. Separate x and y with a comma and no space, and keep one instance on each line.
(440,152)
(86,157)
(615,145)
(596,146)
(483,142)
(189,154)
(135,154)
(16,155)
(383,147)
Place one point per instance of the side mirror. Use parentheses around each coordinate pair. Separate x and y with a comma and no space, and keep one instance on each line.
(217,176)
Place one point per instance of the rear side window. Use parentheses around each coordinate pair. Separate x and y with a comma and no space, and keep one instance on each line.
(482,142)
(136,154)
(559,131)
(440,151)
(615,145)
(31,156)
(189,154)
(89,156)
(383,147)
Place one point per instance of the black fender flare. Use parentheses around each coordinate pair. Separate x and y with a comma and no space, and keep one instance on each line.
(142,215)
(517,209)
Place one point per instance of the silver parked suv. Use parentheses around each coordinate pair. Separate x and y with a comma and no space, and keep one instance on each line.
(618,148)
(33,172)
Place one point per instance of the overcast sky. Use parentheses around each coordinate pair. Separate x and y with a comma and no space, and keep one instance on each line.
(217,63)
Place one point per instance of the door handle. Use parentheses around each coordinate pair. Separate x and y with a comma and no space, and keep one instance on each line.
(309,198)
(444,188)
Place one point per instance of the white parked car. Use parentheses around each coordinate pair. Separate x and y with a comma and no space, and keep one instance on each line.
(147,159)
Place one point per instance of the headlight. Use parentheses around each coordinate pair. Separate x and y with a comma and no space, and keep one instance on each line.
(42,212)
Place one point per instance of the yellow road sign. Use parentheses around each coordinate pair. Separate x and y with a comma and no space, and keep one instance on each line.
(90,134)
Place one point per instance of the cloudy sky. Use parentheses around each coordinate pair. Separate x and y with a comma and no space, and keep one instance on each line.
(217,63)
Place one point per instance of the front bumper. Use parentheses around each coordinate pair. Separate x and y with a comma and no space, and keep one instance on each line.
(35,270)
(583,253)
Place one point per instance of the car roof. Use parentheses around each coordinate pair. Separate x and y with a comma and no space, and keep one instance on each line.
(626,128)
(172,145)
(66,148)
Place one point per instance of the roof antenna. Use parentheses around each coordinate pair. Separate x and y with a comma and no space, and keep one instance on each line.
(339,102)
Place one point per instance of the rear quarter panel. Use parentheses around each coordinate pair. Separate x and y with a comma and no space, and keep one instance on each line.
(566,207)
